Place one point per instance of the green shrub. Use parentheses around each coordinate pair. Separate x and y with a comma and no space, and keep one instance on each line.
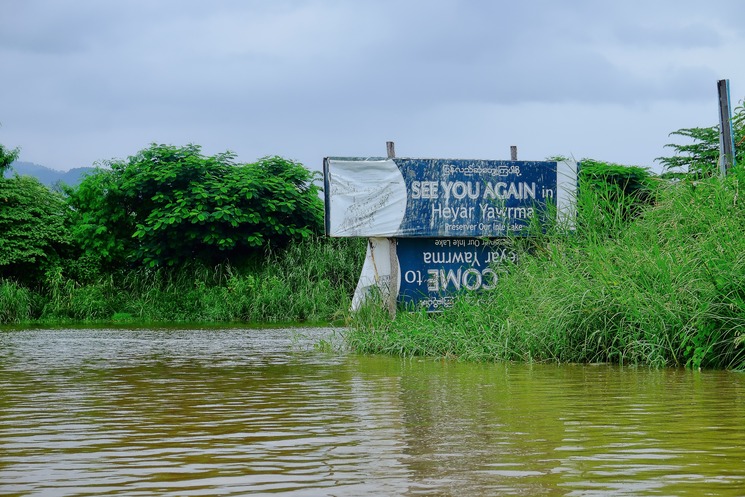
(610,195)
(33,235)
(167,206)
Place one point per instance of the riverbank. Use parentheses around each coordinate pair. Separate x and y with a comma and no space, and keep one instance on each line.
(656,279)
(312,281)
(666,288)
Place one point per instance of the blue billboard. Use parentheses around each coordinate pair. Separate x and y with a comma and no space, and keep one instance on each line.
(445,197)
(433,272)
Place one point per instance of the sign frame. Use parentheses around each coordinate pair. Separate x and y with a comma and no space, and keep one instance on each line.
(436,198)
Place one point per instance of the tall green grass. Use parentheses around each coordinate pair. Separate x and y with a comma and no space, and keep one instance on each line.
(16,302)
(660,286)
(310,281)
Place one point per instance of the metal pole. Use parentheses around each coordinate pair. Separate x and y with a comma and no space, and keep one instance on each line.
(513,152)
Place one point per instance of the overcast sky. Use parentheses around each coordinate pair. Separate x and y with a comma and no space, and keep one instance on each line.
(85,81)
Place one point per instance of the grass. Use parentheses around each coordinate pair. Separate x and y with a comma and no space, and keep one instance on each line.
(661,286)
(652,276)
(310,281)
(16,302)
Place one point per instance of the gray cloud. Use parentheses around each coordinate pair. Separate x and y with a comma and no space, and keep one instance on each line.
(90,80)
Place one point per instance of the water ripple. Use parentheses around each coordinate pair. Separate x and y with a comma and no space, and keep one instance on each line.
(254,412)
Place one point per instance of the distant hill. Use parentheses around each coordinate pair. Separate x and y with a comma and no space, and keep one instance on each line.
(47,176)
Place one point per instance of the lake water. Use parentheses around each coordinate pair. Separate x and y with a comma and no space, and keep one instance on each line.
(264,412)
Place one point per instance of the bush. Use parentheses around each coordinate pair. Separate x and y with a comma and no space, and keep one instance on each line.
(170,205)
(610,195)
(33,236)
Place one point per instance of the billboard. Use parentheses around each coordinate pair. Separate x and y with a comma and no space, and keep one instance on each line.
(434,271)
(431,272)
(433,198)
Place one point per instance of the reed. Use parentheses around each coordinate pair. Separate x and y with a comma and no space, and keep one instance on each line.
(16,302)
(660,286)
(310,281)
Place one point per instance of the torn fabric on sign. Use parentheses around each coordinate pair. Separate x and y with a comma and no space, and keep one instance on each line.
(370,197)
(376,272)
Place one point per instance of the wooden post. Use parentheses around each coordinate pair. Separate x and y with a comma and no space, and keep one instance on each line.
(726,140)
(393,285)
(390,149)
(513,152)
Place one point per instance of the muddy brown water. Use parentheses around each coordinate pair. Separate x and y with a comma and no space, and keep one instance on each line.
(266,412)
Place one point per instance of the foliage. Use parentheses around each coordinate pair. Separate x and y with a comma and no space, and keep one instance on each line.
(101,219)
(611,195)
(169,205)
(667,291)
(32,229)
(627,184)
(699,157)
(311,280)
(7,157)
(16,302)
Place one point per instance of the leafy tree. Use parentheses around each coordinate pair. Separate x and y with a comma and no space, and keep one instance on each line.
(7,157)
(700,156)
(167,205)
(32,229)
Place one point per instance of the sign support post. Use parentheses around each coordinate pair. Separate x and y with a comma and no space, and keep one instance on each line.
(393,286)
(726,139)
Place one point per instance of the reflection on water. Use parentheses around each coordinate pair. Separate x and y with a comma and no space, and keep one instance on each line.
(251,412)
